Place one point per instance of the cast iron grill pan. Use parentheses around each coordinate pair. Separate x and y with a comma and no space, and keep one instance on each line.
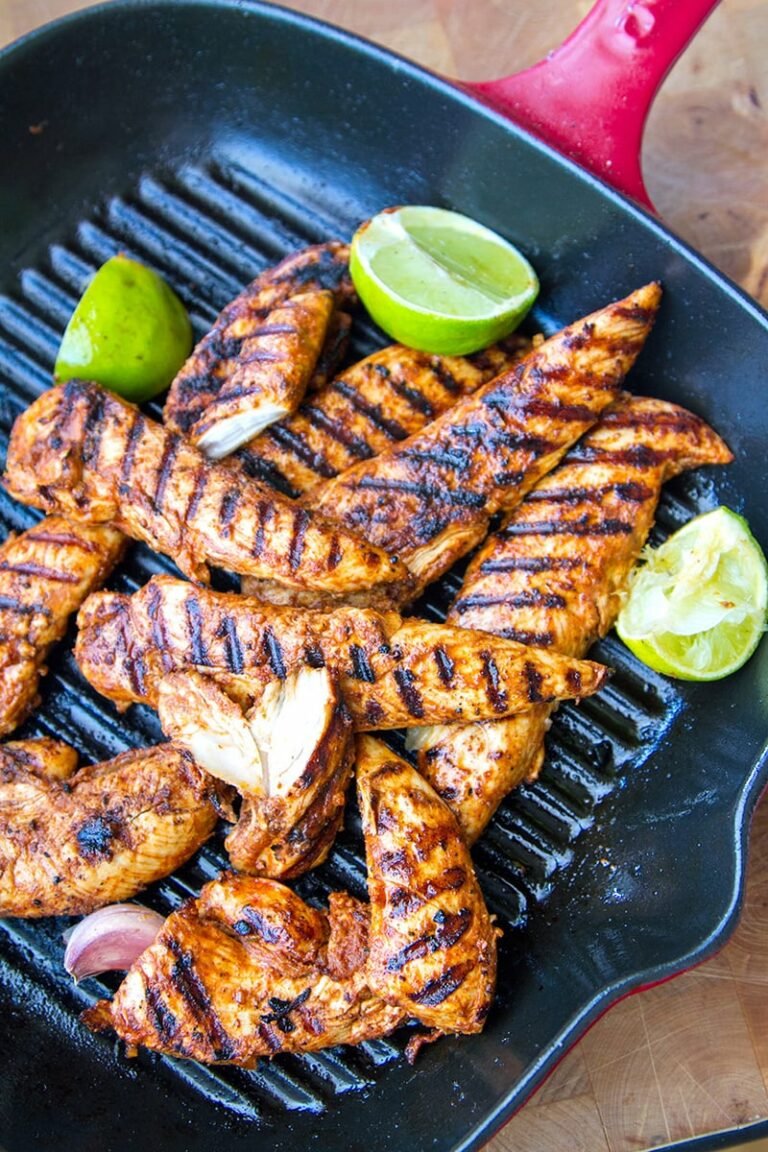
(595,871)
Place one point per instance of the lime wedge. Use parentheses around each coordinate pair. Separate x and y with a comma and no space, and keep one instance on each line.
(129,332)
(438,281)
(696,606)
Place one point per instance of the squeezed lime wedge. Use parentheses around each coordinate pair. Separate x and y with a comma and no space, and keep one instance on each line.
(439,281)
(696,606)
(129,332)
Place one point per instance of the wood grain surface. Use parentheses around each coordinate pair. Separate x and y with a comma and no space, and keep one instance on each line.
(690,1056)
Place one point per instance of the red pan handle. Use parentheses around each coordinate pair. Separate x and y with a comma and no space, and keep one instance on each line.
(590,98)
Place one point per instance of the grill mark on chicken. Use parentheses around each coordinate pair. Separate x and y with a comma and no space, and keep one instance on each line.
(167,461)
(30,568)
(457,460)
(198,647)
(274,329)
(13,604)
(630,491)
(264,517)
(372,413)
(583,527)
(534,406)
(43,535)
(526,636)
(334,553)
(198,491)
(409,693)
(294,442)
(530,564)
(300,525)
(162,1018)
(192,990)
(274,654)
(450,928)
(233,648)
(93,427)
(446,377)
(349,440)
(135,433)
(533,676)
(445,666)
(253,921)
(428,491)
(532,599)
(361,668)
(412,396)
(281,1010)
(436,991)
(264,471)
(490,671)
(229,503)
(134,661)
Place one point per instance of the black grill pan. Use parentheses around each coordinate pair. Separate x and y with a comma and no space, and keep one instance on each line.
(208,139)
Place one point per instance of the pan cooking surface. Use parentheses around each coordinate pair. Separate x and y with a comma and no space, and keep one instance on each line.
(620,863)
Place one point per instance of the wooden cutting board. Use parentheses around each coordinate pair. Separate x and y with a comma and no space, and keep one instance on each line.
(690,1056)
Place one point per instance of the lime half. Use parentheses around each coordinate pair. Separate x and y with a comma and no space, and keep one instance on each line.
(438,281)
(696,606)
(129,332)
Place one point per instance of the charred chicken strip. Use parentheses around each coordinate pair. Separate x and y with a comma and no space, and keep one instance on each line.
(429,500)
(229,355)
(275,365)
(433,945)
(372,405)
(70,843)
(391,672)
(248,969)
(290,757)
(45,575)
(553,577)
(86,453)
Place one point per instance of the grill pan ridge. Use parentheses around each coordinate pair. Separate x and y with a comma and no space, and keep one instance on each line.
(565,865)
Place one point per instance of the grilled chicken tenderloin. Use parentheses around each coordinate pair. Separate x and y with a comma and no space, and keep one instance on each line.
(553,576)
(243,339)
(72,841)
(391,672)
(45,575)
(84,452)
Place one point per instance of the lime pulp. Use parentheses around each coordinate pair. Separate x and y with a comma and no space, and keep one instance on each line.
(696,607)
